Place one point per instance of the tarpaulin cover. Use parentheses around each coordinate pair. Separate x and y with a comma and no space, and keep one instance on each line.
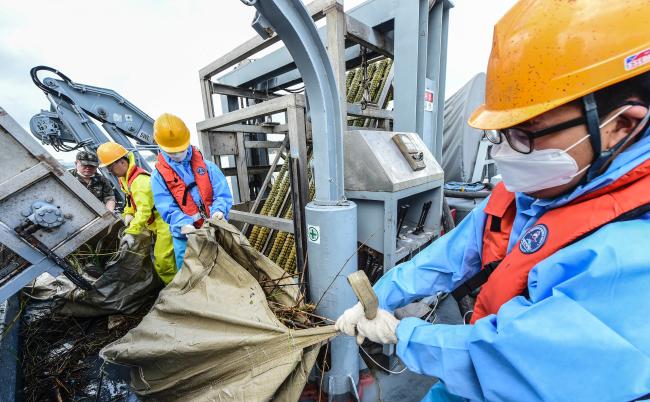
(460,142)
(211,335)
(119,288)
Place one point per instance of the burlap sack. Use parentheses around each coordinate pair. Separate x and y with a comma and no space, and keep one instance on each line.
(211,335)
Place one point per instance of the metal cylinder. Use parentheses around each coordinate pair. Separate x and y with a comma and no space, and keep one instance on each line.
(332,255)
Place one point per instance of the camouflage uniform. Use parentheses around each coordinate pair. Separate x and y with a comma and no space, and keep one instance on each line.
(100,186)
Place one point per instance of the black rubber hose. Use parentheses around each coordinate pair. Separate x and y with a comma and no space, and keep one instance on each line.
(467,194)
(34,74)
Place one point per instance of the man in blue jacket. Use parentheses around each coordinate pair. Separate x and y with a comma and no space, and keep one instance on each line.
(560,249)
(186,188)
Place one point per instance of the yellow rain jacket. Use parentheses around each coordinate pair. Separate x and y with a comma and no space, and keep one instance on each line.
(140,192)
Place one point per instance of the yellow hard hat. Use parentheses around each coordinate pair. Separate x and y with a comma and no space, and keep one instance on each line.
(548,53)
(109,152)
(171,133)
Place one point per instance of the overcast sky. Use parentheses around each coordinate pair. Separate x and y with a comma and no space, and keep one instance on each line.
(151,51)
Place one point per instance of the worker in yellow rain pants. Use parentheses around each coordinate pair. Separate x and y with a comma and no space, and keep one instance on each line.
(139,212)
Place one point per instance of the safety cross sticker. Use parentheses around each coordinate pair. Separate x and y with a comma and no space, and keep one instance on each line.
(313,233)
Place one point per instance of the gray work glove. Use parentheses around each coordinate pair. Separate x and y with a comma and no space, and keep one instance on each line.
(127,219)
(185,229)
(128,241)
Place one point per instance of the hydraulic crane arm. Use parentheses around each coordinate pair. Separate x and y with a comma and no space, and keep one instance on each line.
(69,120)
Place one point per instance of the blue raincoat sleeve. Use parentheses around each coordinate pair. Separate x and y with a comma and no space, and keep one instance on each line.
(582,335)
(221,195)
(167,206)
(441,266)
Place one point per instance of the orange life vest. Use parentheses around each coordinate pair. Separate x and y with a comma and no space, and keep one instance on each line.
(180,190)
(505,275)
(129,196)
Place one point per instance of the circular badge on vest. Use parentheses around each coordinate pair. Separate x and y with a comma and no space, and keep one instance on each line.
(200,171)
(533,239)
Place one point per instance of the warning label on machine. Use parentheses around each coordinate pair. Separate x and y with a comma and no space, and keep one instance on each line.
(428,100)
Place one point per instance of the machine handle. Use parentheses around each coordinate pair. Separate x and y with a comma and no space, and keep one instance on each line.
(365,293)
(25,231)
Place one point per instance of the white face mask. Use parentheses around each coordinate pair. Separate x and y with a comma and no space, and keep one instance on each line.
(537,170)
(177,156)
(540,169)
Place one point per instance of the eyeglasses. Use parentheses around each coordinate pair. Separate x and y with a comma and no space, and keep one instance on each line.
(522,140)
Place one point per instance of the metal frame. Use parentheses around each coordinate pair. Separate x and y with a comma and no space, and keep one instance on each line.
(44,166)
(390,23)
(385,28)
(341,31)
(223,135)
(381,233)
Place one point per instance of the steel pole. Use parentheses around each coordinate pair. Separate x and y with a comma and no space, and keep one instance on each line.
(331,220)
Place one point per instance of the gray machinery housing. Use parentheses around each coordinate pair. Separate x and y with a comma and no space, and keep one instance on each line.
(35,189)
(380,181)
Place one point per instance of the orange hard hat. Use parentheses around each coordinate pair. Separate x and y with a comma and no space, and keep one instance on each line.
(171,133)
(548,53)
(109,152)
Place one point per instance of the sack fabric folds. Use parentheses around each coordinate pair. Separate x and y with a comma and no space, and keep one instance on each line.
(212,336)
